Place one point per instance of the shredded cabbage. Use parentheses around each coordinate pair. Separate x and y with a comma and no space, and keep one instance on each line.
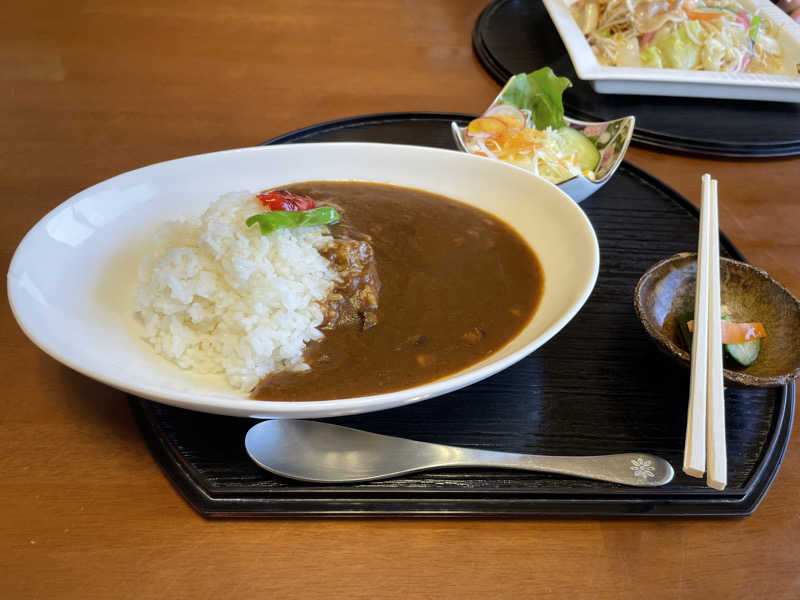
(544,152)
(709,35)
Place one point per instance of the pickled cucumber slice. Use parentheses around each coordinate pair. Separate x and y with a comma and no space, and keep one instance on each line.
(745,353)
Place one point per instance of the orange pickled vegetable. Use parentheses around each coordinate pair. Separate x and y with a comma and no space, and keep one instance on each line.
(738,333)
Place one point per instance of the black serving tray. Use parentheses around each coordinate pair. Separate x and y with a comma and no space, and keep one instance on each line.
(600,386)
(517,36)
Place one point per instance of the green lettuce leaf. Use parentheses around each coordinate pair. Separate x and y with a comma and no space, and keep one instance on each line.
(539,92)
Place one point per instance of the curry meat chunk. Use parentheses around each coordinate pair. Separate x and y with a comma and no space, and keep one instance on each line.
(354,300)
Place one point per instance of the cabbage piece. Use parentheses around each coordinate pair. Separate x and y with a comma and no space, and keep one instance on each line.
(767,44)
(651,57)
(695,32)
(661,35)
(734,38)
(628,53)
(591,13)
(712,55)
(678,51)
(651,15)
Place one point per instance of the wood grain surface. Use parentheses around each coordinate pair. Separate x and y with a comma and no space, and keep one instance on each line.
(93,88)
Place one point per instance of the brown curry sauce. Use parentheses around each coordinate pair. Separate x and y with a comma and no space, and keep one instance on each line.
(456,284)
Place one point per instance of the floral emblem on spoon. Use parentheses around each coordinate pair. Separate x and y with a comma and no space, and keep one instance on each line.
(642,467)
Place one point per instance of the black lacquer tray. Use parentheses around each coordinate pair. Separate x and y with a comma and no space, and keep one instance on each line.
(600,386)
(517,36)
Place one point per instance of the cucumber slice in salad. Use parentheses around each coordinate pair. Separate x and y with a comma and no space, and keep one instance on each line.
(574,141)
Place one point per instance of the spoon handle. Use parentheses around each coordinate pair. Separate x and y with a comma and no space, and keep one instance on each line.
(638,469)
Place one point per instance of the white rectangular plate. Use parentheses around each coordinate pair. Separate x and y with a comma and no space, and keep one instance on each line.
(674,82)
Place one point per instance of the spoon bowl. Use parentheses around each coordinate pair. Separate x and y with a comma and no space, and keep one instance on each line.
(666,292)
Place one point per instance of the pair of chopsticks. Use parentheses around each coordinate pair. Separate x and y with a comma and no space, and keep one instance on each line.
(705,428)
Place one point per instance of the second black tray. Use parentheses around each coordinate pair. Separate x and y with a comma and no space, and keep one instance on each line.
(517,36)
(598,387)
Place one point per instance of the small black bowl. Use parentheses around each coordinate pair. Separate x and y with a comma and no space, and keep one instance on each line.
(666,292)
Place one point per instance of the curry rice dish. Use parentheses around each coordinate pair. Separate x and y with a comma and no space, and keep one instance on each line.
(398,288)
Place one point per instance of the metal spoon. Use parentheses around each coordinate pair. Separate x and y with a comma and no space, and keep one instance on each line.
(325,453)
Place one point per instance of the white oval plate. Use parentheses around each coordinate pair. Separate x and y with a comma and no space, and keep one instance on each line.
(71,280)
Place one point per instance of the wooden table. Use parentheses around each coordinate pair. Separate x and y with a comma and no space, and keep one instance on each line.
(95,88)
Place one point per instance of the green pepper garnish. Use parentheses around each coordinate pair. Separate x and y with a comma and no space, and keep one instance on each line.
(290,219)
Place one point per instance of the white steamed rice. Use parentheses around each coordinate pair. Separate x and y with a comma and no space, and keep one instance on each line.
(220,297)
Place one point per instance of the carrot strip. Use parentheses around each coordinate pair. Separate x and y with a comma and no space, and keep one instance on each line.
(738,333)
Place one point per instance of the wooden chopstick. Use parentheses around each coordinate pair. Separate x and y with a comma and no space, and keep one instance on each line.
(694,455)
(705,426)
(716,454)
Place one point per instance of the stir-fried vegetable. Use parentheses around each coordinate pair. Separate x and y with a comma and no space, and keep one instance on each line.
(710,35)
(284,219)
(678,50)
